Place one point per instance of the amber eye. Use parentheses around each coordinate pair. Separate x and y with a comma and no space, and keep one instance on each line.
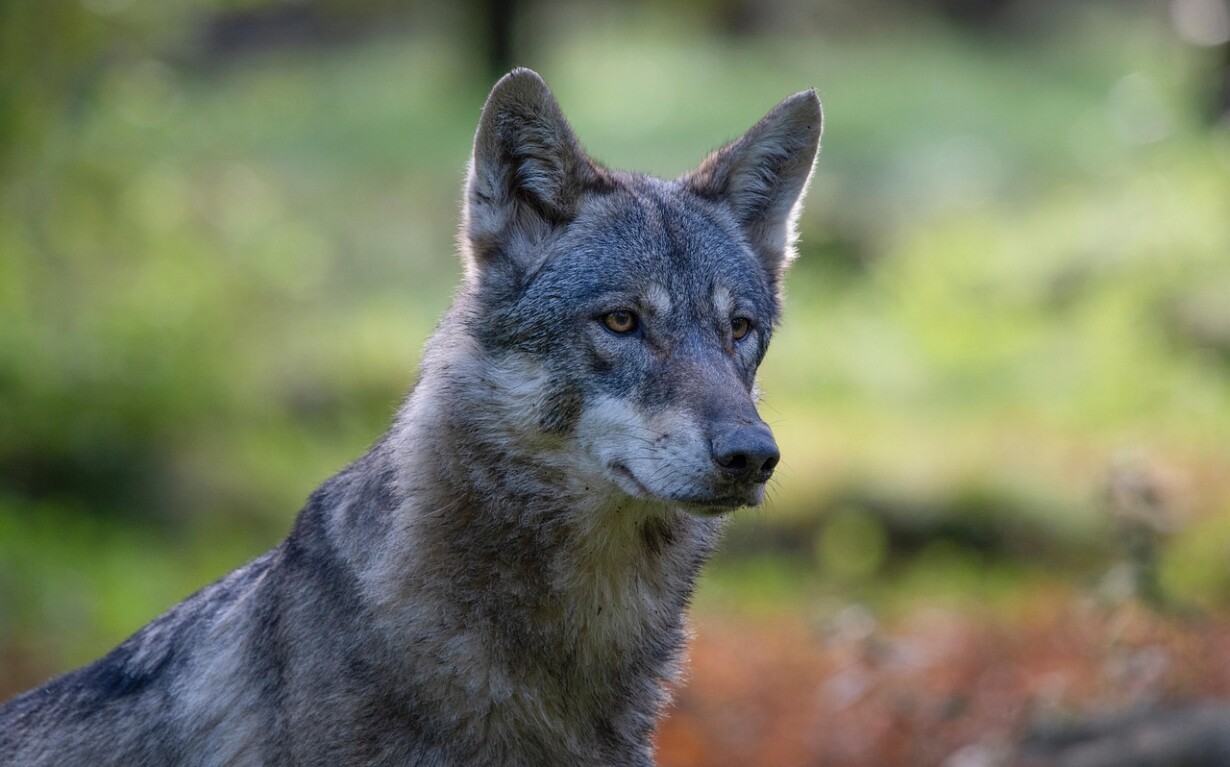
(739,327)
(621,321)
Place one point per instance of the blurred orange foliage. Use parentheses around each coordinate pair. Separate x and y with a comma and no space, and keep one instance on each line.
(939,687)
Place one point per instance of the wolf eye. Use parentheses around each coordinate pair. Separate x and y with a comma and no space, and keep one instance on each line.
(621,321)
(739,327)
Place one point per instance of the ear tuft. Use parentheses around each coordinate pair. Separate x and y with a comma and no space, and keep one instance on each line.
(764,174)
(528,169)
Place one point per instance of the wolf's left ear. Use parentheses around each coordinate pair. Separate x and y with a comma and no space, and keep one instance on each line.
(527,174)
(764,174)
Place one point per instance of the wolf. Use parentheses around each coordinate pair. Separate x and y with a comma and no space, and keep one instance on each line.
(503,578)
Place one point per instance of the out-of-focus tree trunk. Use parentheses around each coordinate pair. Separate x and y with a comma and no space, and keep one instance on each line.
(500,19)
(1221,92)
(974,13)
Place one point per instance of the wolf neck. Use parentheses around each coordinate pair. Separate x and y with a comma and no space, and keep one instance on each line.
(554,581)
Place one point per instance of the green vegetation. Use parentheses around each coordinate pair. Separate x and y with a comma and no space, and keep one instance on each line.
(215,282)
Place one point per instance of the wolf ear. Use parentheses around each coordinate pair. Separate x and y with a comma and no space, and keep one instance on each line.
(527,172)
(764,174)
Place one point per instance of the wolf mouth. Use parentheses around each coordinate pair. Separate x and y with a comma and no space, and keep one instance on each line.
(716,505)
(697,504)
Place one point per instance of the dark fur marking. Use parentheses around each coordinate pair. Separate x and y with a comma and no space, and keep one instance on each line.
(658,534)
(115,676)
(561,411)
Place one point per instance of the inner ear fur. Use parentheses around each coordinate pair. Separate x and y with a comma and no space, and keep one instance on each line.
(528,170)
(763,176)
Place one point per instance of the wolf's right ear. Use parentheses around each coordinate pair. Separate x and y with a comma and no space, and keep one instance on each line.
(527,173)
(764,174)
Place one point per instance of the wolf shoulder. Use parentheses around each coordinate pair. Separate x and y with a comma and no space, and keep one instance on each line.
(177,679)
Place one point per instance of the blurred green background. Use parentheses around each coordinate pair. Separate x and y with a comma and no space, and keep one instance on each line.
(226,229)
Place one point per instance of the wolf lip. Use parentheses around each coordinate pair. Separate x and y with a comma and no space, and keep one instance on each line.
(712,509)
(718,504)
(699,504)
(624,473)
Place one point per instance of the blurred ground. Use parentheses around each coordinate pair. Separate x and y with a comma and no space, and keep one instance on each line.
(1002,388)
(937,687)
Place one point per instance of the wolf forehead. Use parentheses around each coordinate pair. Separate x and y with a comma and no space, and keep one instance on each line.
(640,243)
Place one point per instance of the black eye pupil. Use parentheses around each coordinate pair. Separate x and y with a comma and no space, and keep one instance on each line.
(739,327)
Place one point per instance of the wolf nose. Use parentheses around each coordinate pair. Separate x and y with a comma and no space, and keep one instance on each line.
(746,453)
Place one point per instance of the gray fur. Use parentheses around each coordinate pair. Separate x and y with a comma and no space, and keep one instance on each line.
(503,578)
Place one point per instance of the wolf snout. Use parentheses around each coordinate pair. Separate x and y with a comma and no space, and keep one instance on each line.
(746,453)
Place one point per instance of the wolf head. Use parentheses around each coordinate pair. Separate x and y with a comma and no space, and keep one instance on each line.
(618,320)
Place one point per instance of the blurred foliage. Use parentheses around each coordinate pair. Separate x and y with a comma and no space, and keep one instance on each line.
(221,250)
(1196,568)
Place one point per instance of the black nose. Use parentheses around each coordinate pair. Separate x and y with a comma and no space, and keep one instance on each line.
(746,452)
